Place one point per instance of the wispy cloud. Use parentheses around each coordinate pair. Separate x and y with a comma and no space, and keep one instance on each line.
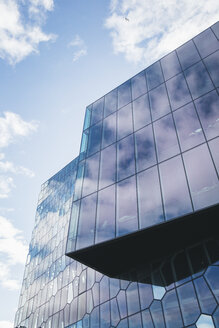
(6,324)
(146,30)
(79,46)
(6,184)
(9,167)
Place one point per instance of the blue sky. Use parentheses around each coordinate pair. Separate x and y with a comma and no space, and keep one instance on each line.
(56,57)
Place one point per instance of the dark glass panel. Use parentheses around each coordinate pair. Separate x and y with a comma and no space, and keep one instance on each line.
(203,181)
(198,80)
(141,112)
(212,63)
(91,174)
(206,42)
(154,75)
(124,94)
(110,105)
(171,310)
(105,228)
(104,315)
(175,190)
(207,107)
(214,148)
(97,111)
(188,127)
(206,299)
(125,157)
(85,235)
(149,198)
(125,124)
(127,220)
(146,295)
(135,321)
(122,304)
(180,265)
(138,83)
(114,312)
(133,298)
(159,102)
(211,276)
(178,91)
(166,139)
(170,65)
(94,141)
(145,149)
(107,166)
(188,54)
(188,303)
(94,318)
(146,318)
(104,289)
(157,314)
(109,130)
(215,29)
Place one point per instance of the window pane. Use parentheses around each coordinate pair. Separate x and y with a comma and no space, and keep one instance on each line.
(91,174)
(104,315)
(154,75)
(124,94)
(132,298)
(171,310)
(188,127)
(206,42)
(159,102)
(110,105)
(188,55)
(157,314)
(97,111)
(149,198)
(170,65)
(215,28)
(107,166)
(146,318)
(141,112)
(125,125)
(138,85)
(109,130)
(203,181)
(87,117)
(135,321)
(214,147)
(206,299)
(166,140)
(94,139)
(178,91)
(127,220)
(145,150)
(174,188)
(125,158)
(212,63)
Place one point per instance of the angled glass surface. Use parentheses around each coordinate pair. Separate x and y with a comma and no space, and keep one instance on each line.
(141,112)
(188,54)
(124,94)
(139,86)
(159,102)
(154,75)
(178,91)
(170,65)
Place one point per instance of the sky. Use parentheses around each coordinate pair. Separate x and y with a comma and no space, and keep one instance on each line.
(57,57)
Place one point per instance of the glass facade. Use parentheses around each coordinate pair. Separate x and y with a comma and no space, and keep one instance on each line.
(149,155)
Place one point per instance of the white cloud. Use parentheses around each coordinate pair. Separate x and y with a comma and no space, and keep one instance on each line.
(6,324)
(79,44)
(146,30)
(7,167)
(6,184)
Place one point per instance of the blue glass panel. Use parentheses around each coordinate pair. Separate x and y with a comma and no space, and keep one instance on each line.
(79,180)
(188,54)
(171,310)
(166,139)
(188,127)
(104,315)
(135,321)
(133,298)
(206,42)
(127,220)
(107,166)
(109,130)
(94,139)
(114,287)
(146,319)
(178,91)
(216,318)
(123,324)
(114,312)
(94,319)
(91,174)
(138,83)
(125,123)
(212,64)
(124,94)
(206,299)
(145,149)
(175,191)
(149,198)
(198,80)
(203,182)
(215,29)
(146,295)
(207,107)
(188,303)
(73,226)
(96,293)
(125,157)
(122,304)
(85,236)
(141,112)
(211,276)
(97,111)
(214,147)
(110,105)
(84,141)
(81,306)
(159,102)
(170,65)
(87,117)
(154,75)
(157,314)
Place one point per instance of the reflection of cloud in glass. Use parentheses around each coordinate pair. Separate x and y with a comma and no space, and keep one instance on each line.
(178,91)
(138,85)
(145,149)
(159,102)
(91,174)
(188,54)
(110,104)
(97,111)
(206,42)
(141,112)
(125,125)
(214,147)
(124,94)
(109,130)
(107,166)
(94,140)
(170,65)
(154,75)
(212,63)
(125,157)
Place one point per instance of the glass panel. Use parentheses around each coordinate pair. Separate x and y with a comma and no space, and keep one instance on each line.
(211,276)
(127,220)
(125,125)
(94,139)
(171,310)
(154,75)
(97,111)
(84,141)
(159,102)
(214,147)
(178,91)
(124,94)
(203,182)
(198,80)
(206,42)
(104,289)
(206,299)
(87,117)
(114,312)
(149,198)
(85,236)
(107,166)
(146,318)
(207,108)
(79,180)
(81,306)
(188,54)
(141,112)
(157,314)
(212,63)
(135,321)
(126,157)
(94,319)
(138,85)
(110,105)
(91,175)
(170,65)
(146,295)
(188,127)
(109,130)
(105,228)
(165,136)
(105,315)
(175,190)
(145,149)
(122,304)
(72,234)
(133,298)
(215,29)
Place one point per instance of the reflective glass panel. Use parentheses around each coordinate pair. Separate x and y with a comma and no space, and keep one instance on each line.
(141,112)
(154,75)
(146,318)
(91,174)
(94,139)
(170,65)
(97,111)
(206,299)
(178,91)
(105,315)
(125,124)
(214,148)
(157,314)
(215,29)
(114,312)
(145,149)
(127,220)
(109,130)
(206,42)
(125,158)
(171,310)
(138,85)
(124,94)
(159,102)
(135,321)
(188,54)
(146,295)
(87,117)
(110,104)
(133,298)
(149,198)
(107,166)
(121,298)
(212,63)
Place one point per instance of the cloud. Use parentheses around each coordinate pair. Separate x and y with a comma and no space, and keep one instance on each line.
(7,167)
(79,44)
(21,35)
(6,324)
(146,30)
(6,184)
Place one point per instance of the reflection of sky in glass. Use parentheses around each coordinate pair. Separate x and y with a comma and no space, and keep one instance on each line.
(138,85)
(125,125)
(170,65)
(97,111)
(212,64)
(188,54)
(178,91)
(214,148)
(109,130)
(94,138)
(107,166)
(125,157)
(171,310)
(206,43)
(91,175)
(110,105)
(154,75)
(145,149)
(157,314)
(141,112)
(159,102)
(124,94)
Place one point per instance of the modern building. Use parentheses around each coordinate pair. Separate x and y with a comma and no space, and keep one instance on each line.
(126,235)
